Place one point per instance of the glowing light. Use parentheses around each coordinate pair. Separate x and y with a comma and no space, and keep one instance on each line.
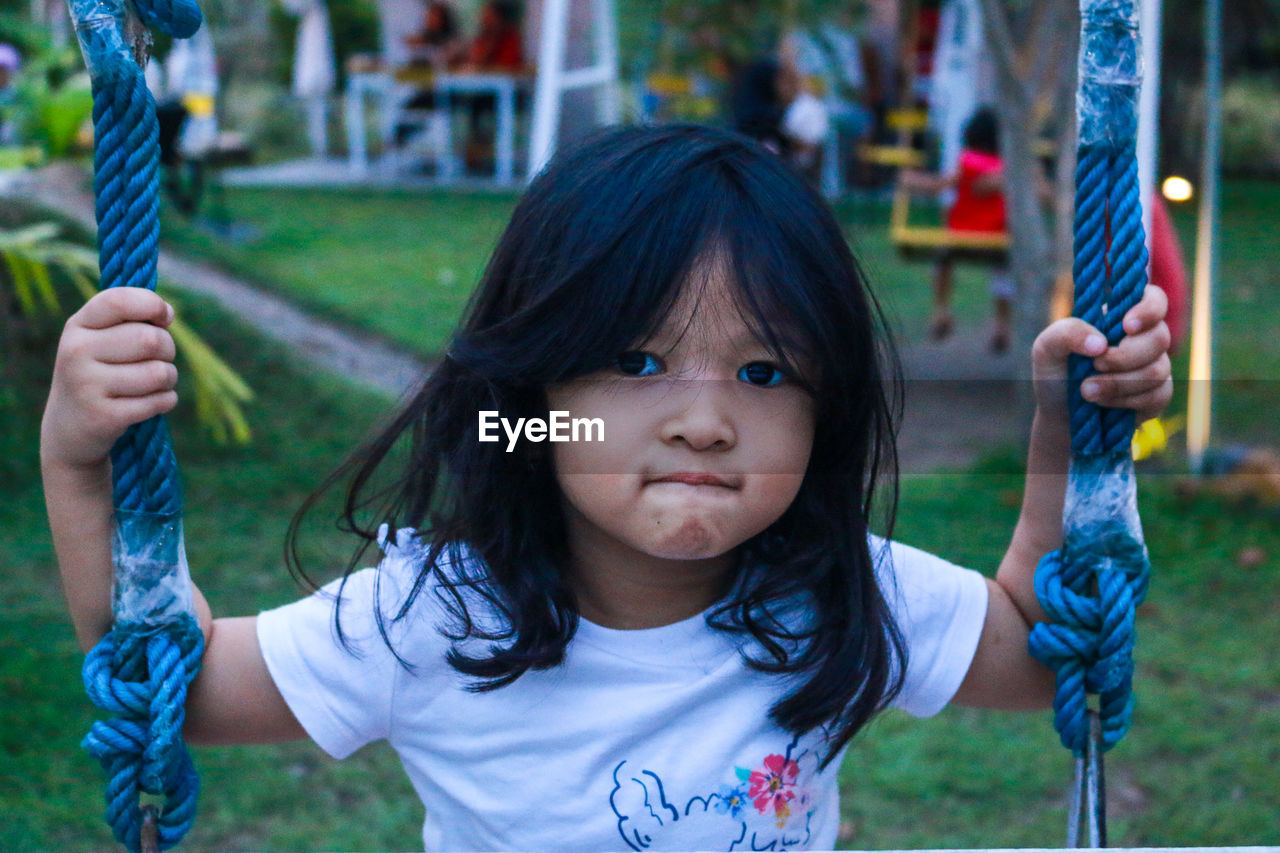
(1176,188)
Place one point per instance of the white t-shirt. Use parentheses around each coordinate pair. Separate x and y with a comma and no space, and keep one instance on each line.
(654,739)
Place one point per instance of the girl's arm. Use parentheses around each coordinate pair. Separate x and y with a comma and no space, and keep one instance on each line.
(1135,374)
(115,368)
(917,181)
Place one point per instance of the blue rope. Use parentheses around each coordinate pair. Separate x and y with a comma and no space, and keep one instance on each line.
(139,672)
(1089,588)
(142,679)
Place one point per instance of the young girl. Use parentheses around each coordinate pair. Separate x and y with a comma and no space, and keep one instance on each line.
(662,634)
(979,206)
(439,43)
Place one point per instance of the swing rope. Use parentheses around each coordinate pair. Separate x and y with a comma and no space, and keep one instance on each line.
(1090,587)
(140,671)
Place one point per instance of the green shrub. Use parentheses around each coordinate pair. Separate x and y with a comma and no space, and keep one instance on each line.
(271,118)
(1251,127)
(53,101)
(17,29)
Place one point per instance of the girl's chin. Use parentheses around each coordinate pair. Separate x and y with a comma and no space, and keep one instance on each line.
(694,537)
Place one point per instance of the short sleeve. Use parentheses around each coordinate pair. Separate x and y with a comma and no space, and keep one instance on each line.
(340,694)
(940,609)
(342,689)
(979,163)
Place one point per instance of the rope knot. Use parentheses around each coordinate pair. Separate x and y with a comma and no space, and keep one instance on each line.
(1089,590)
(140,676)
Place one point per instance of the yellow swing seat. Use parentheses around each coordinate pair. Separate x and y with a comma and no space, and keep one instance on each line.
(918,242)
(906,121)
(892,156)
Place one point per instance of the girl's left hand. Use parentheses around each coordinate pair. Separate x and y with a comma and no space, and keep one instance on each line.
(1134,374)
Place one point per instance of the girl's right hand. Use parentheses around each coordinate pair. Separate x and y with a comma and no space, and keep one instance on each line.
(114,368)
(1133,374)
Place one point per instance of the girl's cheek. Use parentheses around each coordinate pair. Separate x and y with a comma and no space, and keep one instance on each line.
(591,494)
(786,431)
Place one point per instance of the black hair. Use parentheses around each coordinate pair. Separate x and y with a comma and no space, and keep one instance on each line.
(595,255)
(448,23)
(982,132)
(508,10)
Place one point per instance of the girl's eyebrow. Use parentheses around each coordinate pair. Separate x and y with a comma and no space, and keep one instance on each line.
(667,336)
(785,332)
(745,339)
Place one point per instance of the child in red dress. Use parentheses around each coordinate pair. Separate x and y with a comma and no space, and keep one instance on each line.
(978,207)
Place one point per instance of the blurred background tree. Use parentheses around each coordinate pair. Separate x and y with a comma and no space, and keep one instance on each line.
(254,41)
(1251,98)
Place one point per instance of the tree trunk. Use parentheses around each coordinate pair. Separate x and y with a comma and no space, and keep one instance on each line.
(1064,189)
(1031,243)
(1034,46)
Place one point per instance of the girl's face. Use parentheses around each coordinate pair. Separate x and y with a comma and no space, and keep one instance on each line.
(706,442)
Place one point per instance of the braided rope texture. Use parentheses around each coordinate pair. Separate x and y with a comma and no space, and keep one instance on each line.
(139,673)
(1090,588)
(142,679)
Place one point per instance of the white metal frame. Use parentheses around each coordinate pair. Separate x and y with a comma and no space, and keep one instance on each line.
(554,80)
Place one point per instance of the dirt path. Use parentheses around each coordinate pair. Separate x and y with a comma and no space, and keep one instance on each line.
(326,345)
(960,400)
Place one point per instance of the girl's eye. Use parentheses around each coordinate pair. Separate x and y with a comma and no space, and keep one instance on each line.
(761,373)
(637,363)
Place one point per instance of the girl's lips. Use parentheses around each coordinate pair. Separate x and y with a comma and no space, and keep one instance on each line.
(693,478)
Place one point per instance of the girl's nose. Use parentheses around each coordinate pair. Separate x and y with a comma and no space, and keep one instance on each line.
(701,415)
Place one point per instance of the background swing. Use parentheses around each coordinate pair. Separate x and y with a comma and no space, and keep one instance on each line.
(924,242)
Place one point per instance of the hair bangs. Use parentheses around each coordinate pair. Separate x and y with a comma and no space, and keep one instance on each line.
(591,263)
(798,285)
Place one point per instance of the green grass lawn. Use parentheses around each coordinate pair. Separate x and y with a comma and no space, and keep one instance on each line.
(1201,766)
(1198,765)
(400,265)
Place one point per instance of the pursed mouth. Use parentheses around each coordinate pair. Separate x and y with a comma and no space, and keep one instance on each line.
(693,478)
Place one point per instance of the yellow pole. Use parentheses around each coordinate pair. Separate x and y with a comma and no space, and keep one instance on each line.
(1200,386)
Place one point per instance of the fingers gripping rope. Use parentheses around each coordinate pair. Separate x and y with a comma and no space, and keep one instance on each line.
(1090,588)
(140,671)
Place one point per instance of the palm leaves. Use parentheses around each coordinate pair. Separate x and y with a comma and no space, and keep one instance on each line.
(31,256)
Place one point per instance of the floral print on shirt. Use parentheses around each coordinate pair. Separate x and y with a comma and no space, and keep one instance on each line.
(765,807)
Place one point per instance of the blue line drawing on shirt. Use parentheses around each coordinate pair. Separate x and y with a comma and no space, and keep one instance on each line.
(776,792)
